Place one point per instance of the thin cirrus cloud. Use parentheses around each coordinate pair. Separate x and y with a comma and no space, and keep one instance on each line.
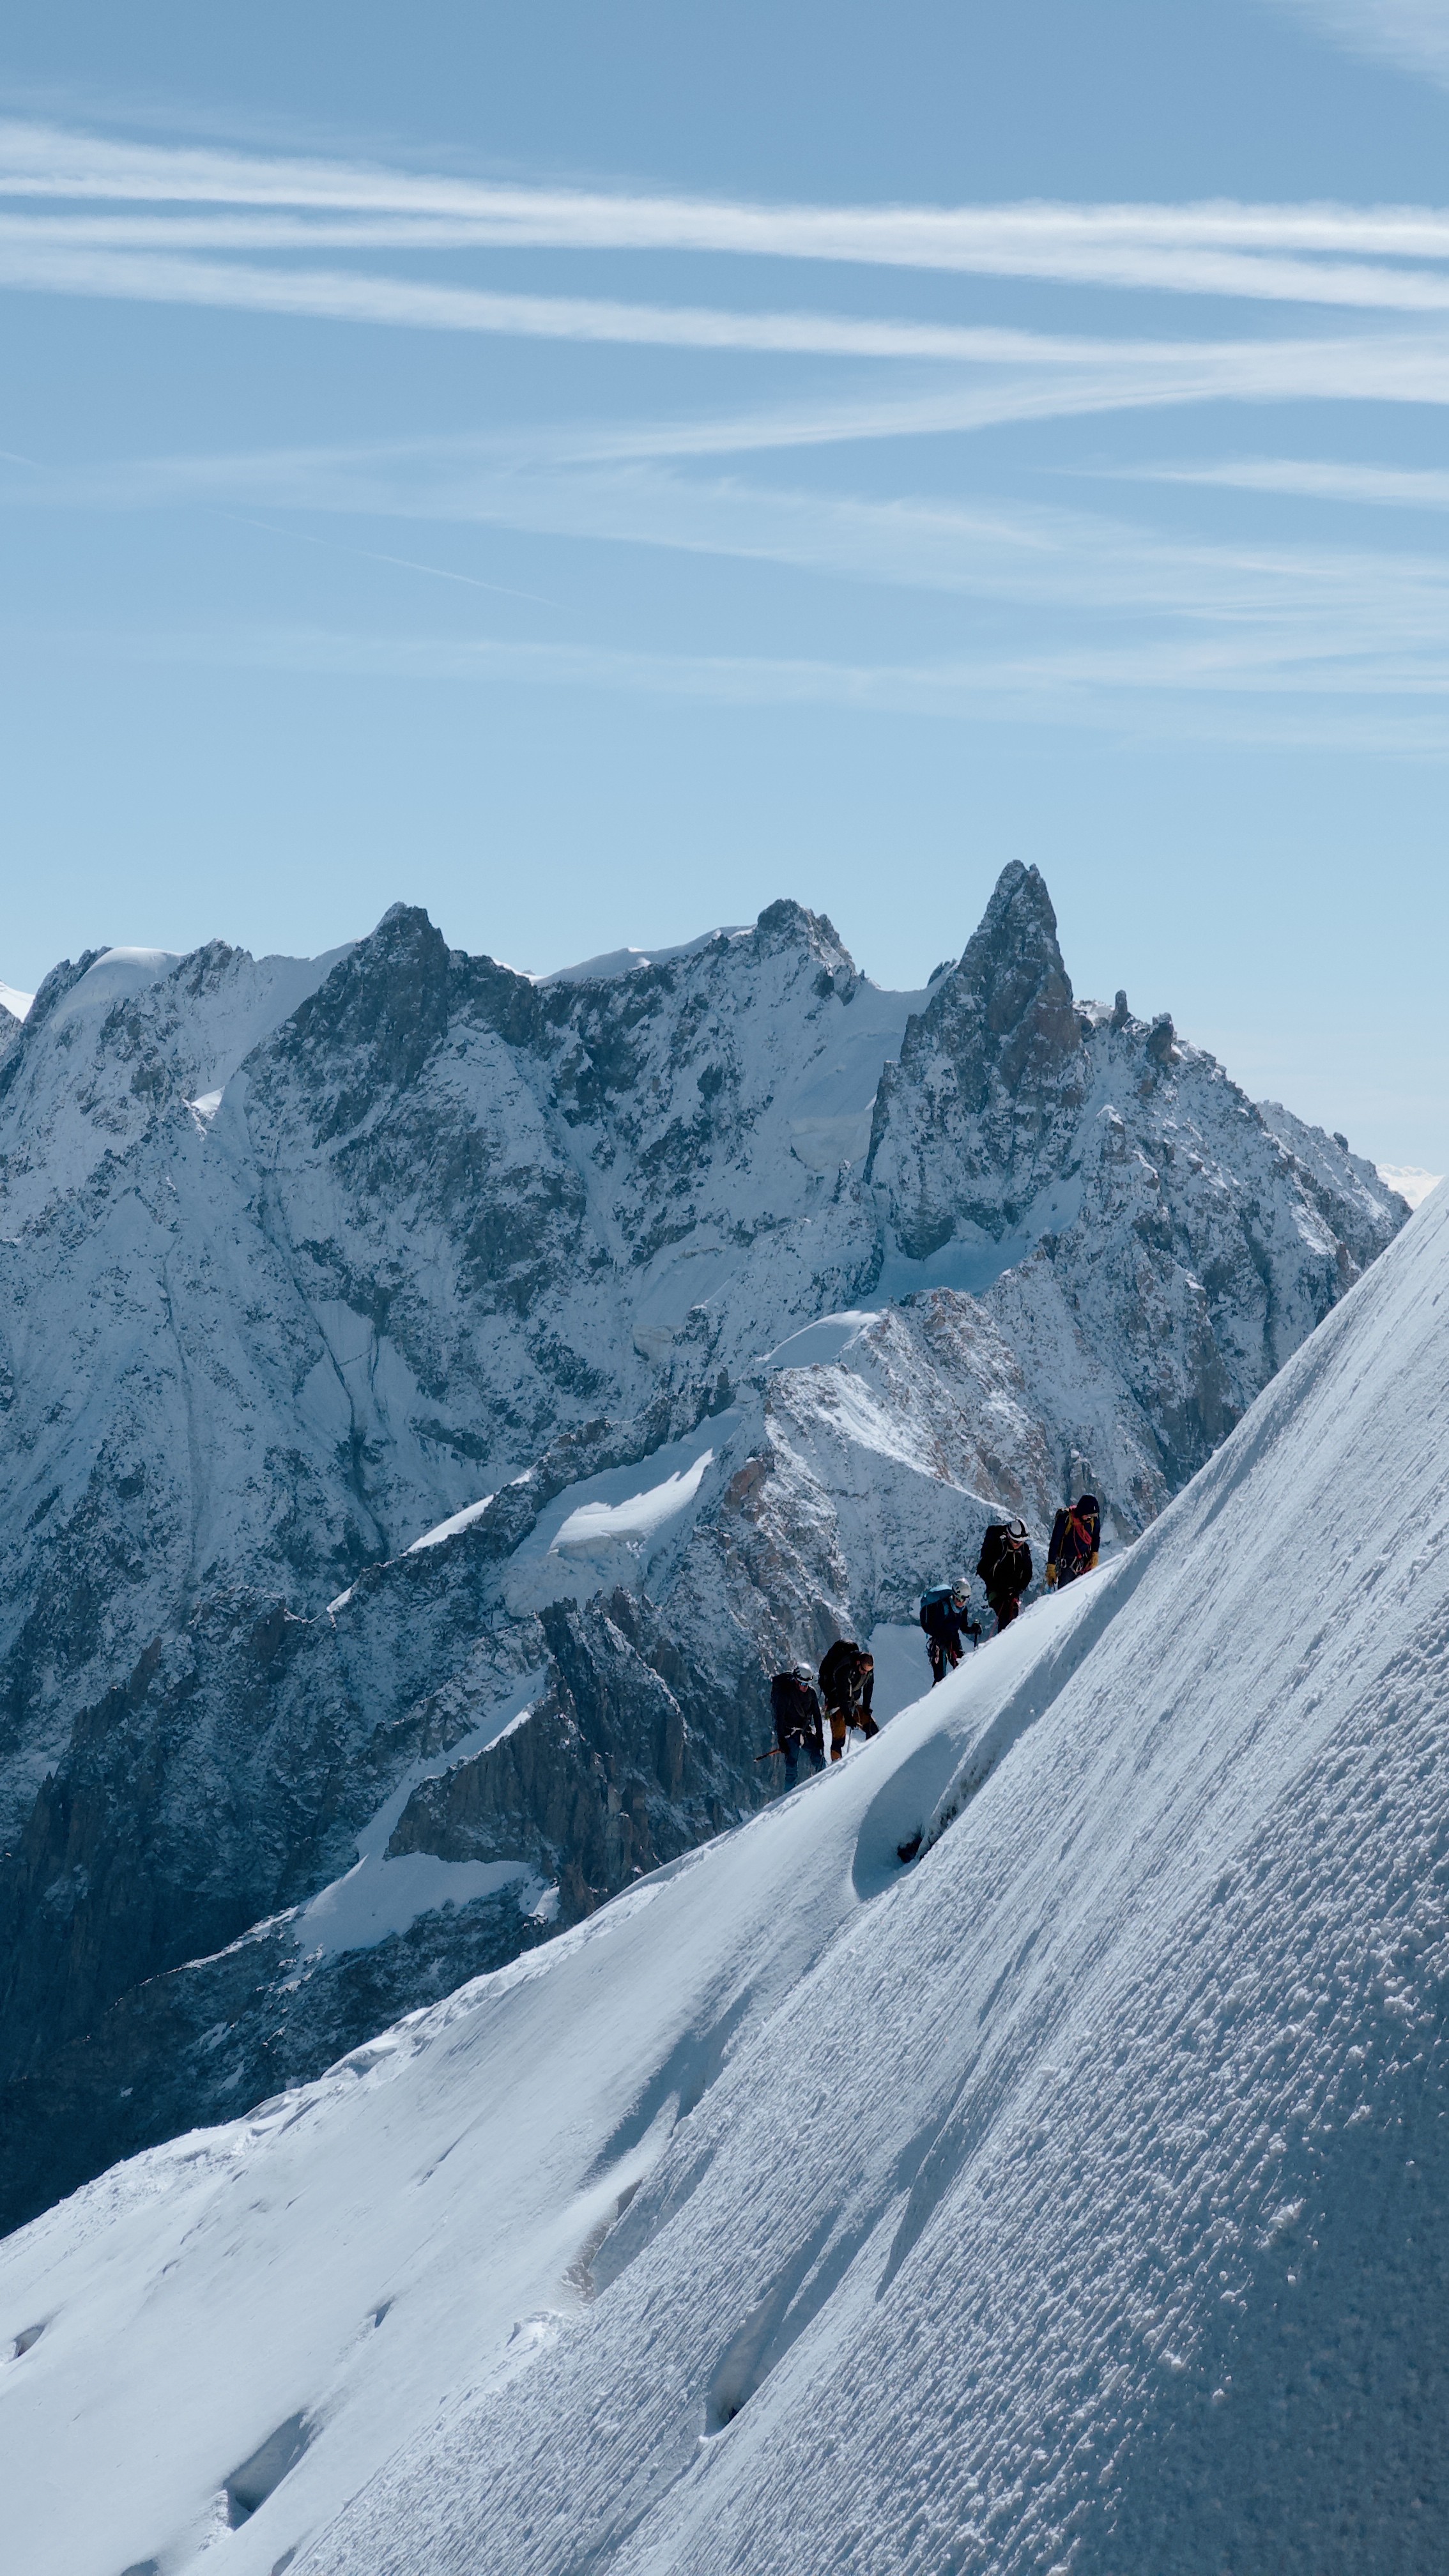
(1389,259)
(1013,376)
(1286,692)
(1389,487)
(1221,616)
(48,263)
(1413,35)
(158,262)
(1277,639)
(1033,557)
(45,162)
(339,295)
(1061,245)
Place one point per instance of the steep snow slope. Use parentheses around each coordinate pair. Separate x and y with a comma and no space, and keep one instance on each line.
(101,1061)
(1074,2194)
(146,1402)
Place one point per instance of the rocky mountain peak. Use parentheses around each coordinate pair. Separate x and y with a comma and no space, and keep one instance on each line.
(1007,1010)
(386,1003)
(994,1070)
(788,924)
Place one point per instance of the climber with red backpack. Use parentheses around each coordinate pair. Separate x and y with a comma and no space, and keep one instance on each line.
(1076,1537)
(1004,1566)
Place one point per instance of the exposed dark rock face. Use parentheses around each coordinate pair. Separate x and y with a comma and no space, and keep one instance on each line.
(300,1261)
(206,1800)
(1111,1189)
(990,1081)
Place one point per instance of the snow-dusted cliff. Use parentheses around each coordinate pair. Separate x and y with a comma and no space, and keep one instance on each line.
(1072,2195)
(720,1295)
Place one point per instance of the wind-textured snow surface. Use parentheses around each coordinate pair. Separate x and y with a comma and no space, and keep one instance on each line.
(1075,2194)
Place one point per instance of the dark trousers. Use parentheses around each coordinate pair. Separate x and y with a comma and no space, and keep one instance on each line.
(1006,1606)
(792,1746)
(942,1651)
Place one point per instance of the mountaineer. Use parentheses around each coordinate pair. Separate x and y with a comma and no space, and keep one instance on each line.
(1004,1566)
(1076,1537)
(946,1618)
(798,1728)
(847,1680)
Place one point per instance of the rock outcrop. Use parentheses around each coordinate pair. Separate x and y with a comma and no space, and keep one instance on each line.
(1116,1198)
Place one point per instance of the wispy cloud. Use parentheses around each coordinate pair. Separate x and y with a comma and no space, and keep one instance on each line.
(1018,376)
(1211,614)
(398,563)
(1209,250)
(40,161)
(97,256)
(1282,641)
(1374,258)
(1314,479)
(1412,34)
(1200,691)
(1012,376)
(1063,246)
(340,295)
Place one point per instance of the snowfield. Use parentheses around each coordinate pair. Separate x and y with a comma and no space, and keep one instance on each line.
(1071,2195)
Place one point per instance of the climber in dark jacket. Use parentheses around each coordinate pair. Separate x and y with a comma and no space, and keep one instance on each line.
(946,1618)
(798,1726)
(847,1680)
(1076,1537)
(1004,1566)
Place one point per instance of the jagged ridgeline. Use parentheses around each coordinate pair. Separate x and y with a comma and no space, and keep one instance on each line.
(434,1398)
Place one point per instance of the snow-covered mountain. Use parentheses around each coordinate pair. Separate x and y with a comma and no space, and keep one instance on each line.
(1024,2147)
(434,1399)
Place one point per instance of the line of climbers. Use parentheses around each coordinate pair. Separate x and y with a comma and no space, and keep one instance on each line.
(847,1676)
(847,1685)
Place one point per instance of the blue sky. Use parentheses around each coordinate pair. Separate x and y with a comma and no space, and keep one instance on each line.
(591,470)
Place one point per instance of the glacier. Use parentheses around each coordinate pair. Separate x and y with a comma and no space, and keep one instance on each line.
(1025,2146)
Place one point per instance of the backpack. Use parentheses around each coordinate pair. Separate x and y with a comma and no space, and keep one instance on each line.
(1080,1537)
(937,1600)
(838,1673)
(1004,1564)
